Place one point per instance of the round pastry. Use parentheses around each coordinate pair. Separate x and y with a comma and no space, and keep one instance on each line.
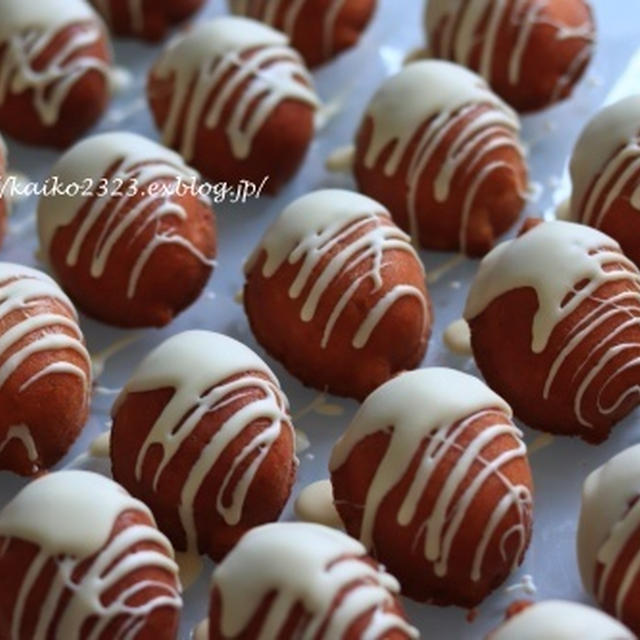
(441,152)
(318,29)
(134,245)
(201,433)
(560,302)
(236,101)
(146,19)
(609,536)
(559,620)
(54,64)
(432,476)
(4,203)
(605,169)
(45,371)
(336,591)
(82,559)
(532,52)
(336,292)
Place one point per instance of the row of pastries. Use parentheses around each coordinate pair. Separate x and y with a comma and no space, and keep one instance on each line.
(431,480)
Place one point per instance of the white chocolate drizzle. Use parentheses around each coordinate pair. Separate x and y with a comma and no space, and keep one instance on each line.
(561,620)
(436,406)
(21,289)
(609,518)
(70,516)
(554,258)
(22,434)
(432,98)
(272,14)
(27,29)
(223,55)
(312,227)
(606,162)
(118,166)
(464,24)
(199,366)
(327,563)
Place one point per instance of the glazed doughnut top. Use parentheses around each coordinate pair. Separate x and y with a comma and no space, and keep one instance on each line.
(561,620)
(326,562)
(608,148)
(423,91)
(70,517)
(67,512)
(433,96)
(552,258)
(420,405)
(131,162)
(610,516)
(18,17)
(309,228)
(198,365)
(215,55)
(27,29)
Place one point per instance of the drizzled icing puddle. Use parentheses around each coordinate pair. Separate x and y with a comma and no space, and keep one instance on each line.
(327,112)
(436,274)
(526,584)
(99,360)
(457,338)
(99,448)
(541,442)
(321,406)
(201,632)
(302,441)
(341,159)
(315,504)
(190,566)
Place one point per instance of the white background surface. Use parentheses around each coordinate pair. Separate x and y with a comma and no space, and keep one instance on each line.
(559,469)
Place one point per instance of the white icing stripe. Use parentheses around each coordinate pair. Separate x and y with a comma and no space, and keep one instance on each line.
(575,254)
(328,563)
(407,104)
(269,12)
(27,29)
(21,433)
(124,159)
(55,367)
(310,229)
(223,55)
(70,516)
(462,26)
(437,406)
(20,289)
(606,162)
(135,9)
(199,366)
(561,620)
